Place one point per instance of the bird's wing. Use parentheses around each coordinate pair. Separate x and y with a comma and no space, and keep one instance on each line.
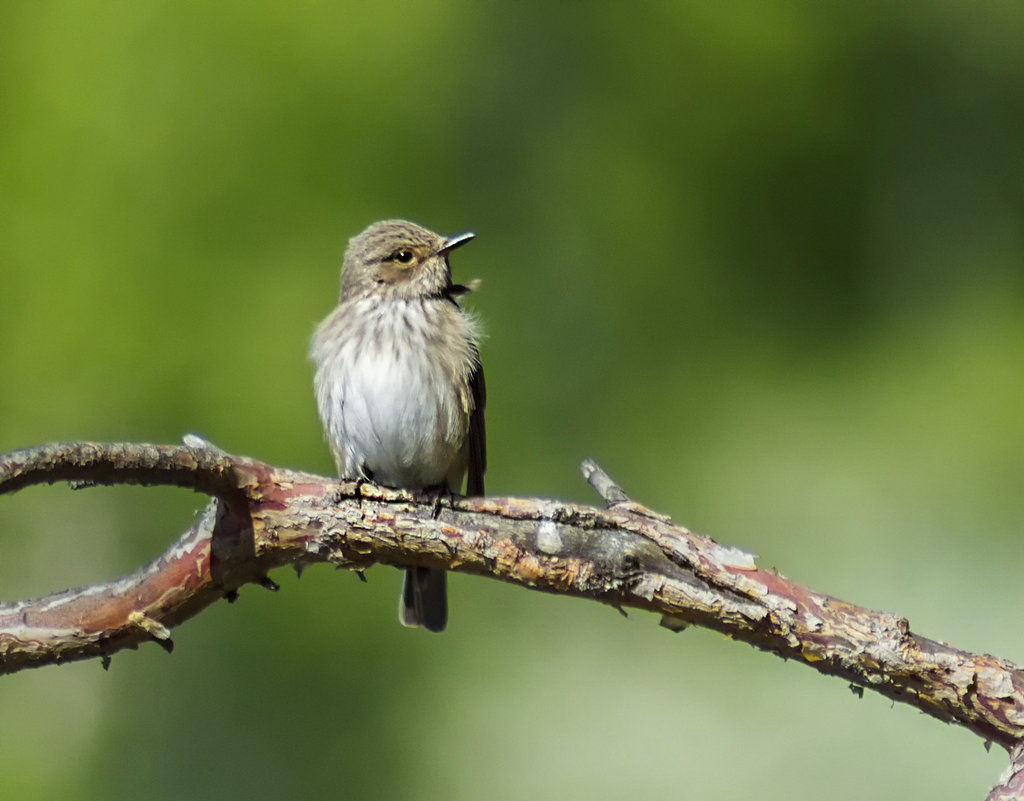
(477,437)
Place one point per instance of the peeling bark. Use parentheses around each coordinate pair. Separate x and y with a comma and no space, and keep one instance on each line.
(624,555)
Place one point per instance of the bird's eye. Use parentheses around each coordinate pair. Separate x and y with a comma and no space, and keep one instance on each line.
(403,256)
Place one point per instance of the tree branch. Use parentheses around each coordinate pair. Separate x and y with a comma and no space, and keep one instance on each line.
(624,555)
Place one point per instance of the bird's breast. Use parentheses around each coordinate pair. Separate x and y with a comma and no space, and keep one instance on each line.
(392,391)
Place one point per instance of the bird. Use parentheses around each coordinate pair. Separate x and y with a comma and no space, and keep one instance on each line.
(399,384)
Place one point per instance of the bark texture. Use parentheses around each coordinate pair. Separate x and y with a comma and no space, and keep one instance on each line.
(623,554)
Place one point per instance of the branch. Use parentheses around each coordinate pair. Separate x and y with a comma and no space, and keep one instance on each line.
(624,555)
(1011,783)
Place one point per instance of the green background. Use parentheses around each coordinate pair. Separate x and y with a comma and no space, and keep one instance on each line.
(763,261)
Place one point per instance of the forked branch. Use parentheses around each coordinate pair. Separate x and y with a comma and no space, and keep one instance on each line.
(624,555)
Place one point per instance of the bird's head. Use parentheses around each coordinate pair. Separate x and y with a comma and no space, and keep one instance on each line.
(399,259)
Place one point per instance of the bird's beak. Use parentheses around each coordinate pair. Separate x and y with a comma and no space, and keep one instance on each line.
(453,242)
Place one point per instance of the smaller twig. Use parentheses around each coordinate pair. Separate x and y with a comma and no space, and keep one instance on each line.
(1011,783)
(613,494)
(603,483)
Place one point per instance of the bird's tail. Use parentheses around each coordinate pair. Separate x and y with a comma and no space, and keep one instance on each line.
(424,600)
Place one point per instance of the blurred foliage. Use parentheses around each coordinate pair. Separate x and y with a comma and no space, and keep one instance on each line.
(765,262)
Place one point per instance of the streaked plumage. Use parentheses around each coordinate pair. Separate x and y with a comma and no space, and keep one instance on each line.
(399,386)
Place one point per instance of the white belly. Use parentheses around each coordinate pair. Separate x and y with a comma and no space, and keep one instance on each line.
(392,409)
(396,421)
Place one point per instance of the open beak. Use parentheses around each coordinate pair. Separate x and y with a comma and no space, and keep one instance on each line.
(453,242)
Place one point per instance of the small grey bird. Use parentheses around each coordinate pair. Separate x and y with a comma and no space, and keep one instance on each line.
(399,385)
